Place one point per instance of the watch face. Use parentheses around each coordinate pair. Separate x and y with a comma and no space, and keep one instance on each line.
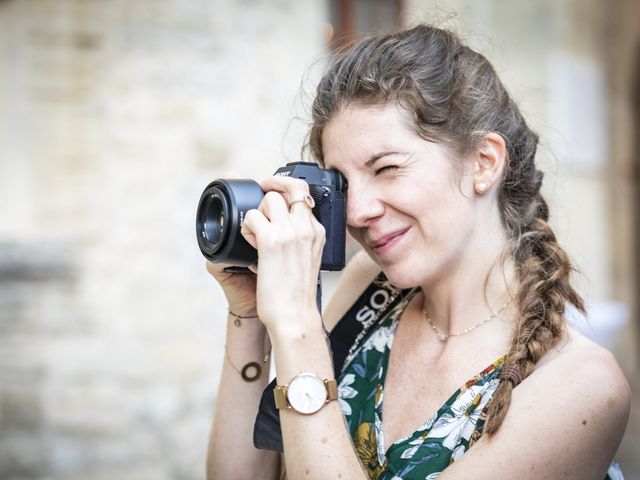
(307,393)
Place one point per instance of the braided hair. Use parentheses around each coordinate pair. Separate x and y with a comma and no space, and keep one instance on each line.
(455,97)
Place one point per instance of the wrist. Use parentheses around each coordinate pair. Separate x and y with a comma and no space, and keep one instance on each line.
(290,363)
(299,349)
(240,319)
(242,310)
(243,328)
(294,327)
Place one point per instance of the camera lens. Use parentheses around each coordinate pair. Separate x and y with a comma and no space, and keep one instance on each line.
(221,211)
(212,218)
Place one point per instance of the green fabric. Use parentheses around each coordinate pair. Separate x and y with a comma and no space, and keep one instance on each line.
(439,441)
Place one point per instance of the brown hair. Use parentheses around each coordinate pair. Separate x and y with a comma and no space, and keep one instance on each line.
(455,98)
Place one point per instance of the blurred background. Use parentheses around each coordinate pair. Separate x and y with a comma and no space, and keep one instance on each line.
(115,114)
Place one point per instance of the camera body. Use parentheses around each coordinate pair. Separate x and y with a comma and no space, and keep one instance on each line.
(225,202)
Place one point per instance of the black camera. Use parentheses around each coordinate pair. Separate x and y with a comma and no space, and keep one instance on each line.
(225,202)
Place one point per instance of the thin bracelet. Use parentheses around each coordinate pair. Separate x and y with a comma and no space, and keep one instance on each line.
(237,318)
(251,365)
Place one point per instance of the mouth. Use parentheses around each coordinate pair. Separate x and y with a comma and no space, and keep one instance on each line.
(383,244)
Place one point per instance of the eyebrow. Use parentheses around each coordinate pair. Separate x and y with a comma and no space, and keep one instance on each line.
(374,158)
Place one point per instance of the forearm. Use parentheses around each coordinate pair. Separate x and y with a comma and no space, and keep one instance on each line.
(316,446)
(231,453)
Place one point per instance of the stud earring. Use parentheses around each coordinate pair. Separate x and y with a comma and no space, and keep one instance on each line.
(481,187)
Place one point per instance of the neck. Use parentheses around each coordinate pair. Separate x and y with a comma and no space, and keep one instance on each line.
(473,290)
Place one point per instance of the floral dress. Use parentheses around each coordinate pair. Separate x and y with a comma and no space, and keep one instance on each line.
(440,440)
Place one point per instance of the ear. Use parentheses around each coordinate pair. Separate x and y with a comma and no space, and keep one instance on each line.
(489,162)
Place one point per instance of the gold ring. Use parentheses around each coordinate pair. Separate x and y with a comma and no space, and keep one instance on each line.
(307,200)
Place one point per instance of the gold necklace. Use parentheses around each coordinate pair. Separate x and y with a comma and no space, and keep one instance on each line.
(443,336)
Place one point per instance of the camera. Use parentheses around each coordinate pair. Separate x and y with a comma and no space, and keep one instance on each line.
(225,202)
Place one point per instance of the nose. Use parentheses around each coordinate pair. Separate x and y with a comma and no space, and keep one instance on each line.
(363,206)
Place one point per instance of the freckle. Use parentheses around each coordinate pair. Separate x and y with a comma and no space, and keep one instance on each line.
(323,440)
(610,402)
(306,471)
(584,422)
(304,335)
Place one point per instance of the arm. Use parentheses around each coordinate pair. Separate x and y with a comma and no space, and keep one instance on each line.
(231,453)
(290,243)
(566,420)
(316,446)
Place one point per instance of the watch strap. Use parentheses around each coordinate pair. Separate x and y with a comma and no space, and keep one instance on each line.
(332,388)
(280,396)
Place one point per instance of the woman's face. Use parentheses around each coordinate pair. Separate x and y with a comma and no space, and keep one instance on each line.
(408,203)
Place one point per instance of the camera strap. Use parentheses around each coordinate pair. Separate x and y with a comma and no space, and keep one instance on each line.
(377,300)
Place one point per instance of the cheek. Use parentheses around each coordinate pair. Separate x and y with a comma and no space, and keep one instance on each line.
(356,234)
(446,213)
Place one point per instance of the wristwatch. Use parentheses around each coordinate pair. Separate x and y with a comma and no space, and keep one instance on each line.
(306,393)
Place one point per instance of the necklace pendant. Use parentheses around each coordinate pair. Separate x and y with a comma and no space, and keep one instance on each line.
(442,336)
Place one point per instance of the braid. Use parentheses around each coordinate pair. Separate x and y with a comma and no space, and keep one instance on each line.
(543,271)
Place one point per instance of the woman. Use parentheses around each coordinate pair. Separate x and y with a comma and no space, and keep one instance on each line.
(444,198)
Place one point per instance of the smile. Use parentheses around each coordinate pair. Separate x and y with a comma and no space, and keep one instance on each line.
(384,244)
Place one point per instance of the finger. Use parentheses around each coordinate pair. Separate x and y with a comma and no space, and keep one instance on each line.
(291,188)
(213,268)
(274,207)
(253,267)
(249,237)
(217,270)
(254,227)
(296,192)
(302,208)
(320,234)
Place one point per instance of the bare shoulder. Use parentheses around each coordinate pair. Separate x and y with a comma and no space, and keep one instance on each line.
(579,363)
(357,275)
(576,401)
(585,377)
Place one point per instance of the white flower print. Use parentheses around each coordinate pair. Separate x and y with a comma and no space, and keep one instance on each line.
(381,339)
(345,391)
(450,427)
(487,393)
(458,452)
(428,424)
(614,472)
(377,424)
(410,452)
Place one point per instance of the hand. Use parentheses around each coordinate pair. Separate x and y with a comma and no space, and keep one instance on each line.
(239,288)
(289,241)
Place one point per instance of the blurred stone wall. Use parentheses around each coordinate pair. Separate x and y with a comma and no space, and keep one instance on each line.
(114,115)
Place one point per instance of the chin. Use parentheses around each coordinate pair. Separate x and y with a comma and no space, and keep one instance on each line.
(401,277)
